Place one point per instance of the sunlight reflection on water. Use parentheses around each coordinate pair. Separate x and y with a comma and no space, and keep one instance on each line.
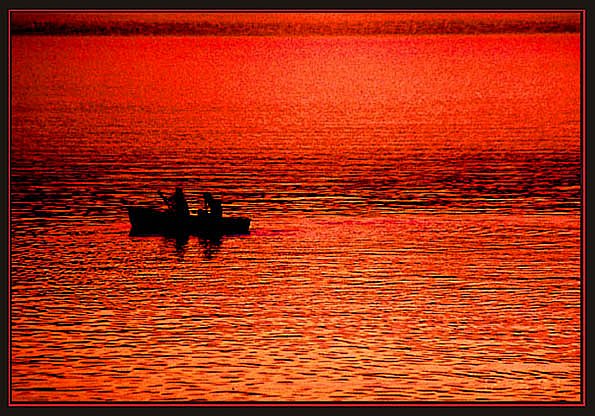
(409,241)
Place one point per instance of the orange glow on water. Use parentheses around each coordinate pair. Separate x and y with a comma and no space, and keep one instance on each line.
(415,203)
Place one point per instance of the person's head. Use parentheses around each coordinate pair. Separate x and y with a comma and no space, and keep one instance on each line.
(178,190)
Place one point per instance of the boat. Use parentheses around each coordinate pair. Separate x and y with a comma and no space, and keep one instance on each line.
(153,221)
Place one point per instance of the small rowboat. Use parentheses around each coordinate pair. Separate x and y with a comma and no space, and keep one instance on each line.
(152,221)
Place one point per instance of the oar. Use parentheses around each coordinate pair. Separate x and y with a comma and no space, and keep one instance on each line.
(167,202)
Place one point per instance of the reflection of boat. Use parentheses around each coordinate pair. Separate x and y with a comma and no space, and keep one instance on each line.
(148,220)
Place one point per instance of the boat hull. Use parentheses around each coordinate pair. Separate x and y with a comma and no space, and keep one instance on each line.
(150,221)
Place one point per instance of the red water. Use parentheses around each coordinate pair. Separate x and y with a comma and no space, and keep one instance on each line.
(415,204)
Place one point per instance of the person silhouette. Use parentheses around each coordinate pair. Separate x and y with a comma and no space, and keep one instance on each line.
(179,204)
(213,205)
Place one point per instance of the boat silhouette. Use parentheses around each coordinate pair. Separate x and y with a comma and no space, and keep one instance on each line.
(176,221)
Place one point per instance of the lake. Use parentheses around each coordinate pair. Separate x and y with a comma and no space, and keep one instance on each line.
(415,206)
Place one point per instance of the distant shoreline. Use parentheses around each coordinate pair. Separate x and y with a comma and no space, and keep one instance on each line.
(210,28)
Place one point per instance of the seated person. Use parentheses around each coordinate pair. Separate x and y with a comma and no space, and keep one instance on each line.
(213,205)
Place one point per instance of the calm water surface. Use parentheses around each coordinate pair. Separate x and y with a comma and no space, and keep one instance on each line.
(415,206)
